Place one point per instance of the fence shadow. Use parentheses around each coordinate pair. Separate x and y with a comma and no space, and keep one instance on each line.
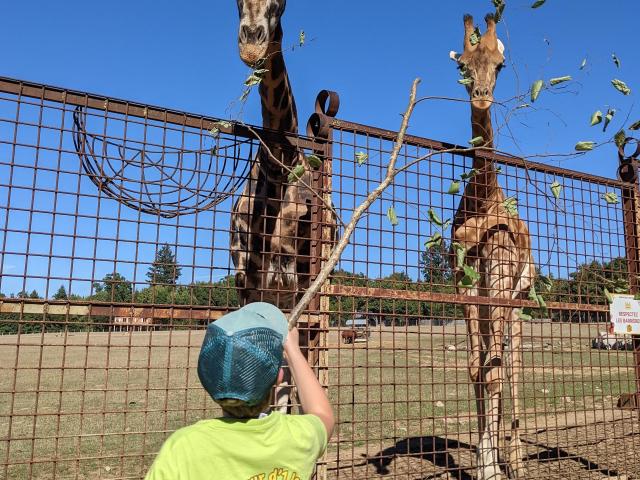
(552,454)
(437,450)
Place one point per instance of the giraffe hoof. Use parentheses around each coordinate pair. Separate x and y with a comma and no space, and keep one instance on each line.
(490,472)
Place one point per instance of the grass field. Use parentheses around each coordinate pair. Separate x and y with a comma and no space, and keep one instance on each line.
(99,405)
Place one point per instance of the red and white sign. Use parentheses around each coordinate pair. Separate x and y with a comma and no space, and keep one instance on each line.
(625,315)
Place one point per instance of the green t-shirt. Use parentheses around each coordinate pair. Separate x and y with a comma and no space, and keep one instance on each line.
(275,447)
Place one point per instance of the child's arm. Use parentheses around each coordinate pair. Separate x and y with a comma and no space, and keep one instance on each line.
(312,397)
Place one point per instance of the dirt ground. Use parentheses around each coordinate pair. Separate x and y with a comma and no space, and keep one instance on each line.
(99,405)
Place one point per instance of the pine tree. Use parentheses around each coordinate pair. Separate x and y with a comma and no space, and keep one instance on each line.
(61,294)
(165,270)
(435,265)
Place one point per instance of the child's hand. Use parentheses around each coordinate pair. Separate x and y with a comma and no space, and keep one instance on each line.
(292,344)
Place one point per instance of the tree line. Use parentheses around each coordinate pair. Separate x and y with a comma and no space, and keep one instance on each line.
(590,283)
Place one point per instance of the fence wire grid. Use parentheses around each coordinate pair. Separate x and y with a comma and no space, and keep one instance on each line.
(114,231)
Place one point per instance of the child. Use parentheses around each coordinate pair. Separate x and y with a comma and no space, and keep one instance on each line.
(238,365)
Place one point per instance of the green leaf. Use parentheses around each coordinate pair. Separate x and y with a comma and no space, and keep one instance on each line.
(301,38)
(434,241)
(620,138)
(361,157)
(556,189)
(470,174)
(611,198)
(215,127)
(596,118)
(434,218)
(615,59)
(537,298)
(541,302)
(607,295)
(476,141)
(296,173)
(524,105)
(470,278)
(511,205)
(583,64)
(557,80)
(500,5)
(538,3)
(454,188)
(393,218)
(635,126)
(465,81)
(621,86)
(245,94)
(314,161)
(474,38)
(584,146)
(252,80)
(546,282)
(469,271)
(607,118)
(535,89)
(461,253)
(524,316)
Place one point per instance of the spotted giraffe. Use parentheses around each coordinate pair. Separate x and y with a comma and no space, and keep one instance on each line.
(270,222)
(498,247)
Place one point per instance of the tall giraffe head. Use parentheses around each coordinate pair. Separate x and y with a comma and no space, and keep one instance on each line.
(259,28)
(480,62)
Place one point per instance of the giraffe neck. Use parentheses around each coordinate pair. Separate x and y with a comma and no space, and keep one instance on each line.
(484,185)
(481,126)
(278,105)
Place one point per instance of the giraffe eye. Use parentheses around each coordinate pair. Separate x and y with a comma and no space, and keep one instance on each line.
(500,67)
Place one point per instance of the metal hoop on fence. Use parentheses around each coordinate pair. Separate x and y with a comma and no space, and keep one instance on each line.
(149,181)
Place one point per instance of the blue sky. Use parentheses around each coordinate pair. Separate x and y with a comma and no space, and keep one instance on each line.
(184,56)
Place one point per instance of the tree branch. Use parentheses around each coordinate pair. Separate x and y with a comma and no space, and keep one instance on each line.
(334,257)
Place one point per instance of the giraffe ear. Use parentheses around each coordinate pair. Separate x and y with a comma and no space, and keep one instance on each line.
(455,56)
(500,47)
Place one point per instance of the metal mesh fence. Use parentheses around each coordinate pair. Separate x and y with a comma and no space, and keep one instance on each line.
(114,232)
(115,222)
(399,346)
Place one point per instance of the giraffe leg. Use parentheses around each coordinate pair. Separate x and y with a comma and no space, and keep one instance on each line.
(516,464)
(500,264)
(493,373)
(486,453)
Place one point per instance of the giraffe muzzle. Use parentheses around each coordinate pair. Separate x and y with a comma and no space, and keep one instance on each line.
(250,53)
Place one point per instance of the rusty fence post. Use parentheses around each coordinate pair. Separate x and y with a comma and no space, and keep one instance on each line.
(323,233)
(628,172)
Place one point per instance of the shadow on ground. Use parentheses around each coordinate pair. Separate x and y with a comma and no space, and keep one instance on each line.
(439,451)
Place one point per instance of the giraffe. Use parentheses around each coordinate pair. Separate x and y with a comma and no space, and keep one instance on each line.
(270,222)
(498,247)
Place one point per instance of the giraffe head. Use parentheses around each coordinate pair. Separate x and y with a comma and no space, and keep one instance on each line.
(259,28)
(480,62)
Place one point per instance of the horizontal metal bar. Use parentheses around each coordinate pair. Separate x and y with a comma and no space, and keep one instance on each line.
(64,96)
(391,135)
(460,299)
(28,306)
